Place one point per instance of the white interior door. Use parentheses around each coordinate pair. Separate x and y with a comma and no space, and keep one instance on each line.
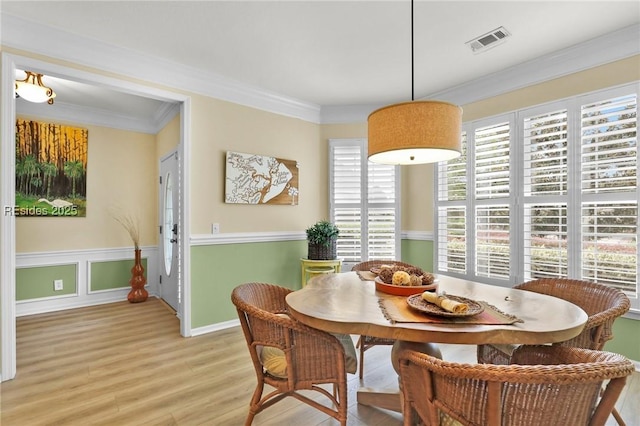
(169,231)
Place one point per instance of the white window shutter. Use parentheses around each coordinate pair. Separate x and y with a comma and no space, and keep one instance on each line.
(492,161)
(545,137)
(452,218)
(610,192)
(364,203)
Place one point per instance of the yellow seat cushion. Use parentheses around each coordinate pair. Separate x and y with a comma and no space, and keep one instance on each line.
(275,362)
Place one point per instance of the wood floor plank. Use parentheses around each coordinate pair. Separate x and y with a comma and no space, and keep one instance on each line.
(126,364)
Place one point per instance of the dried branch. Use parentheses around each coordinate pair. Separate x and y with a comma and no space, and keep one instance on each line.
(130,223)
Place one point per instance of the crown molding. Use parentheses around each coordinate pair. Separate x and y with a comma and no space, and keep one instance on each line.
(611,47)
(52,42)
(62,45)
(165,113)
(343,114)
(608,48)
(88,115)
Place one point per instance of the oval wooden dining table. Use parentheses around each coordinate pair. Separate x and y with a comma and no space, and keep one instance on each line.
(347,303)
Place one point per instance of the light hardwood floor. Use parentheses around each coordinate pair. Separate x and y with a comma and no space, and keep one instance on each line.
(125,364)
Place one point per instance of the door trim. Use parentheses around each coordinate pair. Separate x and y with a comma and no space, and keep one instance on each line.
(7,189)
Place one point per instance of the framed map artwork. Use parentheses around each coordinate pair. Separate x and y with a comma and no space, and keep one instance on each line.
(256,179)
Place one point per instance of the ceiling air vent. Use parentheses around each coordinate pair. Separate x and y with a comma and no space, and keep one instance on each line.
(488,40)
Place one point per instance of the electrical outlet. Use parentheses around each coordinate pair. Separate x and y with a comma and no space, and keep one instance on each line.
(57,285)
(215,228)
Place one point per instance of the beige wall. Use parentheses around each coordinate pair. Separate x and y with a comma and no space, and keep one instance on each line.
(168,138)
(218,127)
(613,74)
(417,198)
(335,131)
(121,170)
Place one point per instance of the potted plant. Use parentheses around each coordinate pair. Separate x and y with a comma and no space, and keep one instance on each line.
(322,238)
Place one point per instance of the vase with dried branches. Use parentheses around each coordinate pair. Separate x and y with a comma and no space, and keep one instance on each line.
(137,293)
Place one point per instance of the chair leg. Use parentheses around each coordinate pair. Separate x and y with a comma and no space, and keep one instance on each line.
(616,416)
(254,405)
(361,345)
(615,413)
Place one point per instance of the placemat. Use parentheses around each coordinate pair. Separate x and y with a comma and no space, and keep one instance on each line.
(395,309)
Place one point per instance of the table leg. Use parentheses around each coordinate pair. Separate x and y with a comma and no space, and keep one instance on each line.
(388,399)
(391,399)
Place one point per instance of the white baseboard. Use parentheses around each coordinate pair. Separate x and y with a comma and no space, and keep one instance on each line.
(215,327)
(61,303)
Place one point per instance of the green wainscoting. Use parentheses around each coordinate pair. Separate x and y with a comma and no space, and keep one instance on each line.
(418,253)
(217,269)
(626,338)
(112,274)
(37,282)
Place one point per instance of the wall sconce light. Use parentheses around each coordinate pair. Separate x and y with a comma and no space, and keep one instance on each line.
(31,89)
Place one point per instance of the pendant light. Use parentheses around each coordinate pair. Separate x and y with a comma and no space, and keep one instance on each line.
(31,89)
(415,132)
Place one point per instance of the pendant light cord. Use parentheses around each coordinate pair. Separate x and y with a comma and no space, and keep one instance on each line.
(412,66)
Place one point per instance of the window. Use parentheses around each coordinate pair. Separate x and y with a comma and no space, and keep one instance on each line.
(550,191)
(364,203)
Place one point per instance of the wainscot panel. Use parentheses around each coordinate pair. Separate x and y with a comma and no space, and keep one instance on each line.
(90,277)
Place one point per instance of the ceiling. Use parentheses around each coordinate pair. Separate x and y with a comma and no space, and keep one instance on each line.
(325,53)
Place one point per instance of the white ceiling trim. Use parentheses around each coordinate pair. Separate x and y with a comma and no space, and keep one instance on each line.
(611,47)
(599,51)
(97,116)
(62,45)
(100,117)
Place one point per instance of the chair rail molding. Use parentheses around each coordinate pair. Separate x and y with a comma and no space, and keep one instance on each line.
(417,235)
(246,237)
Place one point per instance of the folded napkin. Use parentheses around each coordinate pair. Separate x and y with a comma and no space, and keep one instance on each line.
(445,303)
(366,275)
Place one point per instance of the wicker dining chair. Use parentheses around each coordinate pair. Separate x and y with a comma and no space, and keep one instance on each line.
(549,385)
(603,305)
(367,342)
(288,355)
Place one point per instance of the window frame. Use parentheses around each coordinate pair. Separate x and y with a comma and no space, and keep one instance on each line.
(574,198)
(364,204)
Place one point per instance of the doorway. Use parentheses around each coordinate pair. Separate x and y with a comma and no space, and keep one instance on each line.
(10,63)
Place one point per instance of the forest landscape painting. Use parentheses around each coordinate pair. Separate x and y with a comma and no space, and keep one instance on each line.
(51,169)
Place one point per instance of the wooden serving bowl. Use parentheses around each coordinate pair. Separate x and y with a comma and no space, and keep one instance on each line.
(403,290)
